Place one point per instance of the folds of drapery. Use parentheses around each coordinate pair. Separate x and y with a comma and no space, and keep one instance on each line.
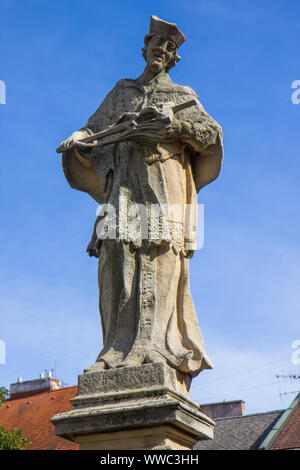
(204,140)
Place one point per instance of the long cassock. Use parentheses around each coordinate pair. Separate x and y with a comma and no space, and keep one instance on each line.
(146,308)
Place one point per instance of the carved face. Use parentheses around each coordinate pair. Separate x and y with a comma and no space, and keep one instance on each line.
(160,52)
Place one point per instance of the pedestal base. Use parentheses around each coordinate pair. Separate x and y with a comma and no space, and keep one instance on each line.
(156,438)
(133,408)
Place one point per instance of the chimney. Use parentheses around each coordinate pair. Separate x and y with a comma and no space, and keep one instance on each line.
(32,387)
(224,409)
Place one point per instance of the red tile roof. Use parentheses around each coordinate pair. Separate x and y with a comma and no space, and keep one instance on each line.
(289,436)
(32,415)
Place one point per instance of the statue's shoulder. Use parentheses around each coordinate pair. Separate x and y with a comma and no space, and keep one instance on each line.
(185,89)
(121,82)
(181,89)
(118,91)
(182,93)
(120,85)
(126,82)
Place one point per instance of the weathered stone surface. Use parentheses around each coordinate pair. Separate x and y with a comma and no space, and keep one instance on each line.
(156,438)
(133,378)
(146,176)
(122,379)
(153,148)
(151,403)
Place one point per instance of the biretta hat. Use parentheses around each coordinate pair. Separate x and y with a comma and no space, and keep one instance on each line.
(170,30)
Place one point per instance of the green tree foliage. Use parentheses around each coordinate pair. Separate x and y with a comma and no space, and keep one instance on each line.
(3,395)
(14,439)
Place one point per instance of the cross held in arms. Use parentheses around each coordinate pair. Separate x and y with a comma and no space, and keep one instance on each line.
(132,123)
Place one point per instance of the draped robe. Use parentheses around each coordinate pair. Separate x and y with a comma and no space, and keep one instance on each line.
(146,309)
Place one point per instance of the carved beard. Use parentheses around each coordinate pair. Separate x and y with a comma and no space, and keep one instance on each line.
(157,65)
(158,61)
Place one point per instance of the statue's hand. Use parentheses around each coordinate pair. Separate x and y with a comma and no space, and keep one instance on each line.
(175,130)
(164,131)
(150,131)
(180,128)
(74,141)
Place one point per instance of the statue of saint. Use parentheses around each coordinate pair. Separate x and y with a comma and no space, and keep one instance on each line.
(146,308)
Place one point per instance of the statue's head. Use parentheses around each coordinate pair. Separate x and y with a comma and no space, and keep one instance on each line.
(161,44)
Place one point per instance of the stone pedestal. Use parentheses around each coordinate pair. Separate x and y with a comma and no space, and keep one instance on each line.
(143,407)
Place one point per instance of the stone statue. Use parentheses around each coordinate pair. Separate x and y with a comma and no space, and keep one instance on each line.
(157,165)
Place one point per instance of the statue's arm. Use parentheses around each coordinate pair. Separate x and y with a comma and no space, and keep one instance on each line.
(81,151)
(197,128)
(203,136)
(96,123)
(80,168)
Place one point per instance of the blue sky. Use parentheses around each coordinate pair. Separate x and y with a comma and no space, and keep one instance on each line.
(59,60)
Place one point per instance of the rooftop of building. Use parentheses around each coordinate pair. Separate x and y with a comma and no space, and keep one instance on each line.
(33,403)
(241,432)
(31,412)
